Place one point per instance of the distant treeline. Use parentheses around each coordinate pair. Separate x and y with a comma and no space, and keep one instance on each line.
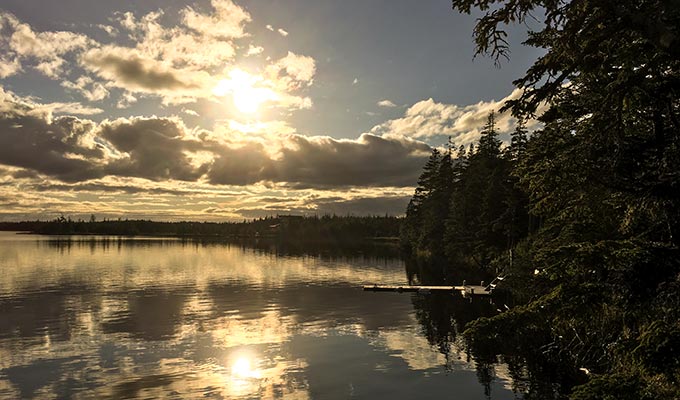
(312,228)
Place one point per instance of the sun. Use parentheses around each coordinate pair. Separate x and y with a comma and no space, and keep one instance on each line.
(247,97)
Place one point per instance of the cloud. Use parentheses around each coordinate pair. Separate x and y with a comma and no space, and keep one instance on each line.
(288,76)
(324,162)
(179,63)
(269,27)
(9,66)
(69,108)
(110,30)
(89,89)
(225,22)
(9,59)
(386,103)
(128,70)
(46,49)
(164,149)
(191,112)
(126,100)
(282,32)
(151,148)
(60,147)
(429,119)
(176,46)
(293,71)
(71,149)
(103,187)
(355,81)
(254,50)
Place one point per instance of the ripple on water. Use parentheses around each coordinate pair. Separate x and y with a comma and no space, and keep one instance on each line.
(154,318)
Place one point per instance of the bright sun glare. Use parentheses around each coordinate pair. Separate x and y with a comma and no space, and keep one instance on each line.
(241,86)
(243,369)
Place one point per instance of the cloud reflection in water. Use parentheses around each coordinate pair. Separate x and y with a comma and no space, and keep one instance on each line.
(165,318)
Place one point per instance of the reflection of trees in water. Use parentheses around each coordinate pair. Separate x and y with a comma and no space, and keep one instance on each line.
(444,317)
(421,271)
(324,249)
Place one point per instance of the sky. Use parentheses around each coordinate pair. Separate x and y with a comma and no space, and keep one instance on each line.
(227,110)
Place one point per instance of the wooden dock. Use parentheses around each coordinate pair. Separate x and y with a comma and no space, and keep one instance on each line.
(465,290)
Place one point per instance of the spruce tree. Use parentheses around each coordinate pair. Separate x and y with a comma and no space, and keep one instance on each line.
(489,145)
(603,177)
(417,210)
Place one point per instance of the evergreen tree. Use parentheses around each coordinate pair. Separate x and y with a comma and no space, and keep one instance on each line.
(518,141)
(603,177)
(411,232)
(437,205)
(489,145)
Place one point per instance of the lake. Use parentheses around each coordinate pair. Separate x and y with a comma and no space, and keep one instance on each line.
(111,317)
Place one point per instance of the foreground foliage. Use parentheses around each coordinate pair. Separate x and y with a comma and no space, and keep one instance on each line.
(596,262)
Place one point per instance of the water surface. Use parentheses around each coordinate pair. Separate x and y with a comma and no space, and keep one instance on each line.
(108,317)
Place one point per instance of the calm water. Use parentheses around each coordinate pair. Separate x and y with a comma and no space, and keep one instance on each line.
(162,318)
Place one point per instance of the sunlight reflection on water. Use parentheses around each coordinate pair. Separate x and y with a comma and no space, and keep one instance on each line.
(122,318)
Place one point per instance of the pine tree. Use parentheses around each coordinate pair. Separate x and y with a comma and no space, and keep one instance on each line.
(603,177)
(518,140)
(489,145)
(411,232)
(436,206)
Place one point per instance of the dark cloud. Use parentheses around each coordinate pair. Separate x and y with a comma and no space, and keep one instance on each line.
(24,174)
(368,161)
(313,162)
(55,147)
(156,149)
(130,70)
(241,166)
(72,150)
(162,149)
(99,187)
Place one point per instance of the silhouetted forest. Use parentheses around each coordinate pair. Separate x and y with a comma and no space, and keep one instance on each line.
(583,215)
(302,228)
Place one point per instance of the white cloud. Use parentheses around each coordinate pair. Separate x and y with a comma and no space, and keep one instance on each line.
(355,81)
(89,89)
(225,22)
(177,63)
(45,45)
(297,67)
(254,50)
(289,75)
(70,108)
(428,118)
(9,66)
(113,32)
(282,32)
(191,112)
(269,27)
(126,100)
(46,50)
(386,103)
